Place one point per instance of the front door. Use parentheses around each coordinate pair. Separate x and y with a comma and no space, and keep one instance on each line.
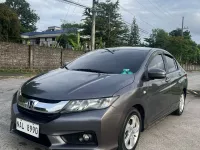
(157,91)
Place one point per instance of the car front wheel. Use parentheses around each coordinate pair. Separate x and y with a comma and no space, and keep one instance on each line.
(131,131)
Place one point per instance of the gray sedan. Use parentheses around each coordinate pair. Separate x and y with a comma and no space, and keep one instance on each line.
(101,101)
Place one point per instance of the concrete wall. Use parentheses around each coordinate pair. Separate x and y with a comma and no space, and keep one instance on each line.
(13,56)
(19,56)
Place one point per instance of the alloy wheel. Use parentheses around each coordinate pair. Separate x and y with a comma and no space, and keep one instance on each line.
(132,131)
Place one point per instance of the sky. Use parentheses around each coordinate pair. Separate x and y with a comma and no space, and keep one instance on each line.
(165,14)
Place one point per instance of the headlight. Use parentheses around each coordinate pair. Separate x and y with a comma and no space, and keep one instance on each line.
(16,96)
(83,105)
(19,93)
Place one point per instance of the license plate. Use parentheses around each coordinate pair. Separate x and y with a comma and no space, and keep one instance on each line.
(27,127)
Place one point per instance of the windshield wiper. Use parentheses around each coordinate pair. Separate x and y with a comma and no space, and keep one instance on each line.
(90,70)
(66,67)
(109,50)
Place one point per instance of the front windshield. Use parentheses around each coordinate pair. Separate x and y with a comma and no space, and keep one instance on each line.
(110,61)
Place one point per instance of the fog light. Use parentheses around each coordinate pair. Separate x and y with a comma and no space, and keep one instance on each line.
(87,137)
(80,138)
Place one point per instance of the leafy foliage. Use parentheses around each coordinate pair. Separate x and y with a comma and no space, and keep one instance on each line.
(100,44)
(72,25)
(178,31)
(28,18)
(62,40)
(76,44)
(134,35)
(9,24)
(183,48)
(158,38)
(71,39)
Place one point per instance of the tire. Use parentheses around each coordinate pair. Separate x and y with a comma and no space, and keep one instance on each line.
(130,133)
(181,106)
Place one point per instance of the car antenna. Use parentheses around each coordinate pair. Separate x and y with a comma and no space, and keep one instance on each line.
(109,50)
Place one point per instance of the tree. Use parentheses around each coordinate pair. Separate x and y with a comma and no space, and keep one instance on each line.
(72,25)
(175,46)
(151,41)
(158,39)
(183,48)
(178,32)
(134,35)
(76,43)
(109,24)
(161,39)
(9,24)
(62,40)
(28,18)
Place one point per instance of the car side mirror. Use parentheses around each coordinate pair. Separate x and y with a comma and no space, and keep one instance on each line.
(65,64)
(156,74)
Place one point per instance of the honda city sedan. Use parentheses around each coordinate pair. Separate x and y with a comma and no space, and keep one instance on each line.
(102,100)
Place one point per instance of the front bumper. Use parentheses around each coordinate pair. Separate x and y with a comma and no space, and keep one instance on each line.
(105,124)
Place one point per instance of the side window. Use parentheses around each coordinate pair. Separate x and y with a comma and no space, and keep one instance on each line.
(171,64)
(176,65)
(157,62)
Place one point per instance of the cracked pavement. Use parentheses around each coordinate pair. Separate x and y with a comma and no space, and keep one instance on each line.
(170,133)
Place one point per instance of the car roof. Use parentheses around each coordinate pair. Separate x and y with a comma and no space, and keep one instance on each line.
(159,49)
(146,49)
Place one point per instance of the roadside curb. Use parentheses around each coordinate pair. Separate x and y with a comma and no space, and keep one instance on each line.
(194,92)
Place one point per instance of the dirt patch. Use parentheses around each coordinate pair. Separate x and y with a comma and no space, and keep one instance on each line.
(16,77)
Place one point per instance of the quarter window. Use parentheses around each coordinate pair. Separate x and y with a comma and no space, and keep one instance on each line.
(157,62)
(171,64)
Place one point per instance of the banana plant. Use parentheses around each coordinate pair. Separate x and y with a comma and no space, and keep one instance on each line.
(76,44)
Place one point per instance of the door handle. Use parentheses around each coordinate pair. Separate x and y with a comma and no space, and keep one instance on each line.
(167,79)
(180,74)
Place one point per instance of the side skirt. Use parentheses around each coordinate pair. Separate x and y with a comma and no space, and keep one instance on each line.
(164,115)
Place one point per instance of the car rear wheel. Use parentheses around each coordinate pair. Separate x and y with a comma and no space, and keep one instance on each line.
(181,107)
(131,131)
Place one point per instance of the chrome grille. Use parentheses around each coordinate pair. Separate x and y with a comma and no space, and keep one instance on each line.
(41,107)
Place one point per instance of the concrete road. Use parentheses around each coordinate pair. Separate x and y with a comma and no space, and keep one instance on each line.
(194,80)
(171,133)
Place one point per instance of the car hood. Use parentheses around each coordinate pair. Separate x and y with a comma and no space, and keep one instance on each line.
(62,84)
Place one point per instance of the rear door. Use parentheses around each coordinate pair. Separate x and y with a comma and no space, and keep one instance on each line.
(172,77)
